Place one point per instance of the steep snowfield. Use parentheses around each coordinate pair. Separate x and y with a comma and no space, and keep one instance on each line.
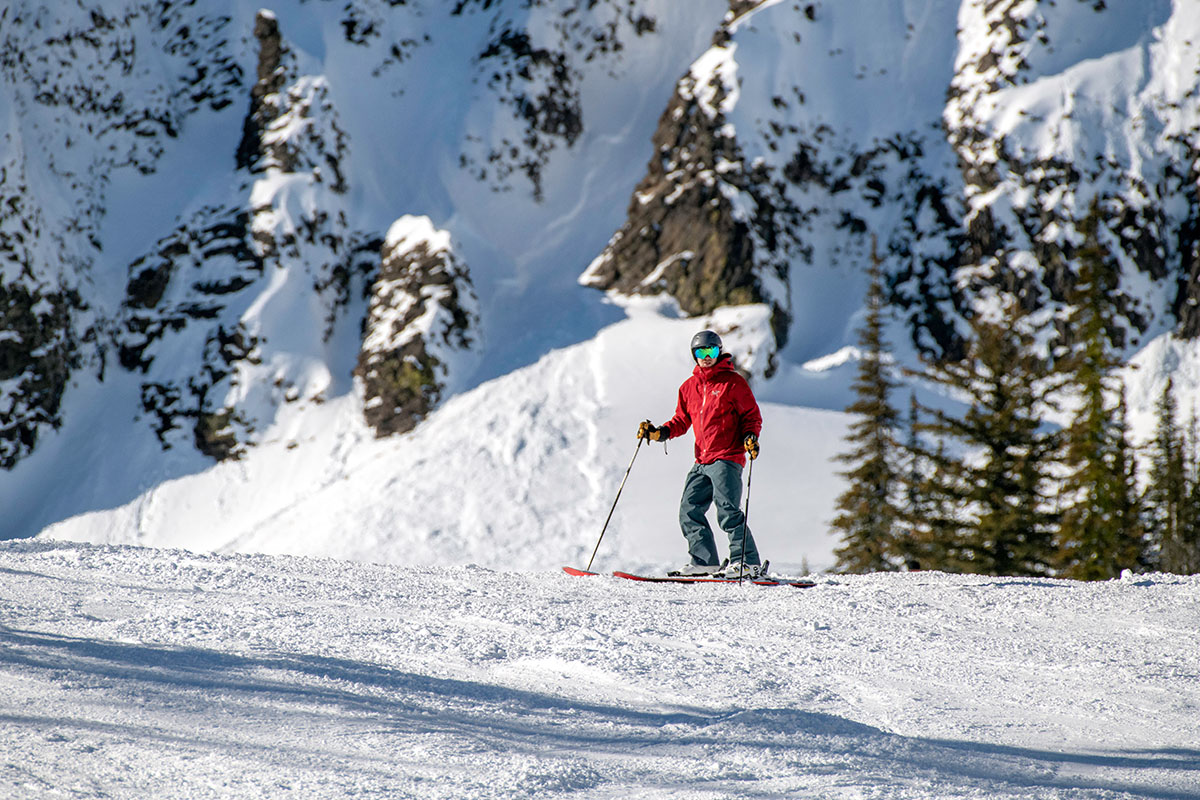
(129,673)
(517,473)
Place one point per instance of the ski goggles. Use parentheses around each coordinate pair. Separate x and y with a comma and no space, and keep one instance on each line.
(702,353)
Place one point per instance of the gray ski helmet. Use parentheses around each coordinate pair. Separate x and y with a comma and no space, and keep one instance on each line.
(705,339)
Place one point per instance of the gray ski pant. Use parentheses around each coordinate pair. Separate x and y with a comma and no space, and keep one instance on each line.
(720,481)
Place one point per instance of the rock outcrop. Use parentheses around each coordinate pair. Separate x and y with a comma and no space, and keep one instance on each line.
(421,331)
(1036,162)
(201,291)
(69,116)
(753,176)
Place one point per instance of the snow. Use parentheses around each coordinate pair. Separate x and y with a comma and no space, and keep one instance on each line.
(410,232)
(522,464)
(128,672)
(1146,376)
(520,470)
(715,70)
(657,273)
(336,615)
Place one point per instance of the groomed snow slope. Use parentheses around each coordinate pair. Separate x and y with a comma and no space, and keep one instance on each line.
(135,672)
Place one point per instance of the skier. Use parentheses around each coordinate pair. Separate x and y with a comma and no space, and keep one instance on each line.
(716,402)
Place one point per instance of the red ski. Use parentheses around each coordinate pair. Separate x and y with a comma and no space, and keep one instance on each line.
(761,581)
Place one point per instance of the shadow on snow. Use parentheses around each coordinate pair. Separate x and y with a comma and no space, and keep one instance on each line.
(355,698)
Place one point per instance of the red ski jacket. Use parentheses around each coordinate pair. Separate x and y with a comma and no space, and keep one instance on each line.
(718,404)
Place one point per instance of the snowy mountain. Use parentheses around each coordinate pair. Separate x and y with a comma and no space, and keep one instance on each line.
(396,281)
(129,673)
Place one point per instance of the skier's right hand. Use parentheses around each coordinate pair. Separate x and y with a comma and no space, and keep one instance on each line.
(646,430)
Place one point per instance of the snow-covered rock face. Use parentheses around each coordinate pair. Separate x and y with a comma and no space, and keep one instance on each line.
(786,147)
(971,153)
(69,117)
(197,197)
(1055,107)
(688,234)
(216,289)
(346,119)
(421,326)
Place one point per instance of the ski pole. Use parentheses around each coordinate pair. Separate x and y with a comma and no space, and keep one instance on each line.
(745,519)
(614,505)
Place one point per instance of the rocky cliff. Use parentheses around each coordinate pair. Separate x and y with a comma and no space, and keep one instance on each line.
(204,201)
(972,151)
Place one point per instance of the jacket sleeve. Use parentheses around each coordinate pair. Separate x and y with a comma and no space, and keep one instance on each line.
(747,406)
(678,425)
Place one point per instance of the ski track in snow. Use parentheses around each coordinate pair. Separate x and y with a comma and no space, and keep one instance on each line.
(128,672)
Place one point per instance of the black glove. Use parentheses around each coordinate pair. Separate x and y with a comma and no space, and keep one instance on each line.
(751,445)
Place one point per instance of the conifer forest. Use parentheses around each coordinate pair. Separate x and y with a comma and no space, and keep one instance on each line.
(1034,472)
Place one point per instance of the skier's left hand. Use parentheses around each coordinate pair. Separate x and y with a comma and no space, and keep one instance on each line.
(751,445)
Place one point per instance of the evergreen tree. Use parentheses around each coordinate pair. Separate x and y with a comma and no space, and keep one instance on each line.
(934,520)
(870,515)
(1101,532)
(1183,554)
(1098,535)
(916,538)
(1167,486)
(996,515)
(1127,465)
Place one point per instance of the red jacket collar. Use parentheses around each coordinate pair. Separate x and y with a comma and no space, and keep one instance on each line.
(724,364)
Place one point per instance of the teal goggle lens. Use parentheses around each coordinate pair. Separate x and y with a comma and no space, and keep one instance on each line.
(706,352)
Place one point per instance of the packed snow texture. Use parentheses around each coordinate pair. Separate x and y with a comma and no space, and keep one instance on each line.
(132,672)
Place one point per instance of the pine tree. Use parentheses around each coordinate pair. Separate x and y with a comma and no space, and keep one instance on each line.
(1099,535)
(869,516)
(916,537)
(997,517)
(1127,465)
(934,519)
(1166,486)
(1184,552)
